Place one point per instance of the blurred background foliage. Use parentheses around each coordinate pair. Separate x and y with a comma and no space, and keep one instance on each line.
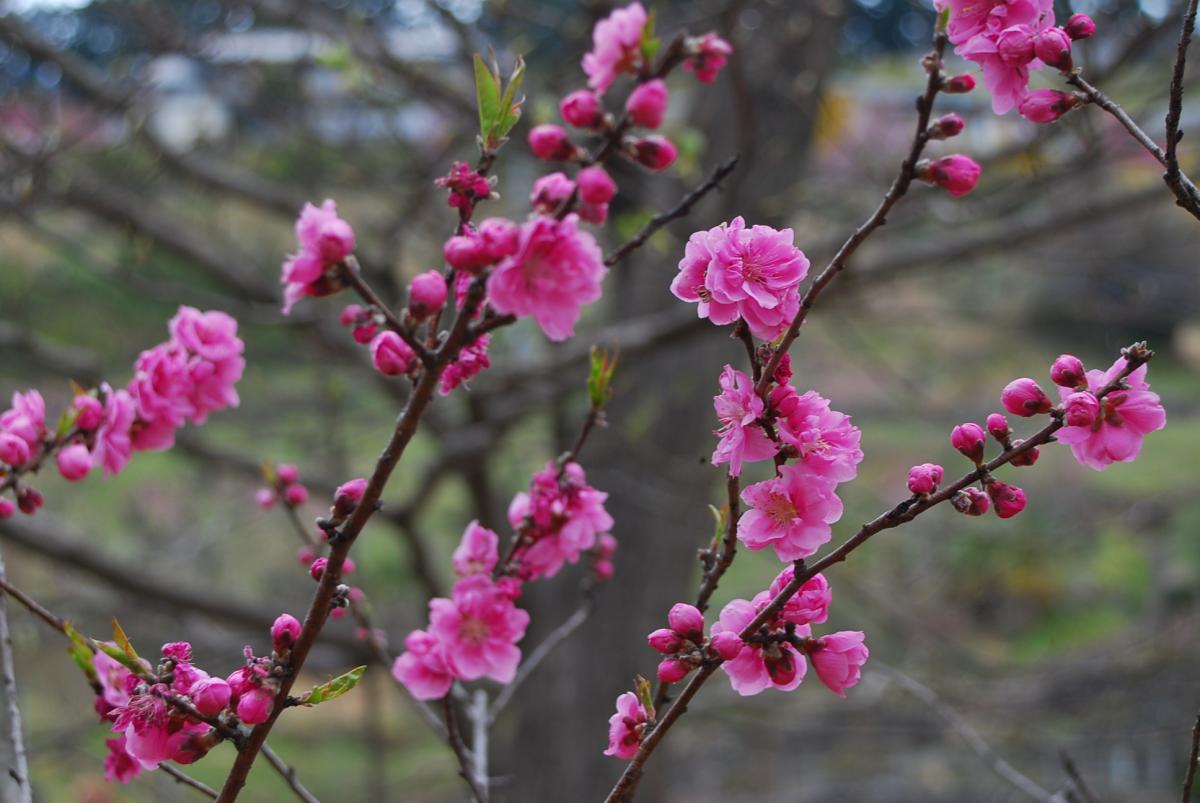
(154,153)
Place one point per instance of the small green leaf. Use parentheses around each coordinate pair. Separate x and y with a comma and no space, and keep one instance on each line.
(510,104)
(943,19)
(117,654)
(81,652)
(600,376)
(123,640)
(65,422)
(720,522)
(646,694)
(650,42)
(487,96)
(337,57)
(334,688)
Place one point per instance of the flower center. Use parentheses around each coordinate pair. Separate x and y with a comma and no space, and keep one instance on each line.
(473,630)
(779,509)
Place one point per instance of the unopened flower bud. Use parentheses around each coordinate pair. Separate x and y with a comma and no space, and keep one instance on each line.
(1015,45)
(74,462)
(264,498)
(1026,458)
(317,568)
(1025,398)
(971,501)
(295,495)
(959,84)
(655,152)
(89,412)
(673,671)
(13,449)
(665,640)
(211,695)
(464,253)
(581,109)
(500,238)
(997,427)
(925,478)
(1080,26)
(595,185)
(426,294)
(1008,499)
(351,314)
(284,632)
(347,496)
(29,500)
(390,355)
(335,241)
(306,555)
(968,439)
(550,143)
(1067,372)
(1081,409)
(648,103)
(1053,46)
(254,707)
(687,621)
(287,473)
(726,644)
(1047,105)
(239,681)
(957,174)
(7,508)
(946,126)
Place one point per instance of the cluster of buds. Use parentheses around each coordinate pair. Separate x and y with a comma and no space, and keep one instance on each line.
(467,187)
(283,483)
(685,646)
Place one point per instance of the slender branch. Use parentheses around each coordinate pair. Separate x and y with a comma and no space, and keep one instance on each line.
(959,723)
(1173,175)
(679,210)
(900,185)
(1189,778)
(288,774)
(182,777)
(904,512)
(1078,785)
(478,713)
(19,772)
(460,750)
(353,276)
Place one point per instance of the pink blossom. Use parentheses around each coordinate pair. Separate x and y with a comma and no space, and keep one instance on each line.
(1052,46)
(469,361)
(209,335)
(284,632)
(255,706)
(426,293)
(113,445)
(556,270)
(287,473)
(88,412)
(390,355)
(581,109)
(119,766)
(150,735)
(162,387)
(1080,26)
(264,498)
(558,519)
(925,478)
(325,240)
(1068,372)
(211,695)
(826,442)
(969,440)
(647,103)
(709,54)
(74,462)
(790,513)
(838,659)
(13,450)
(113,677)
(466,187)
(969,18)
(477,553)
(687,621)
(957,174)
(478,628)
(550,191)
(997,427)
(732,272)
(1126,417)
(595,185)
(626,727)
(616,46)
(550,143)
(464,253)
(1025,398)
(423,668)
(739,409)
(809,605)
(26,418)
(7,508)
(1081,409)
(1046,105)
(758,666)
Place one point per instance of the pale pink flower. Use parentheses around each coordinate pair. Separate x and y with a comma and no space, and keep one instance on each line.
(556,270)
(739,409)
(828,444)
(838,659)
(616,46)
(479,627)
(757,666)
(968,18)
(423,668)
(626,727)
(477,553)
(325,240)
(209,335)
(26,418)
(113,677)
(113,445)
(162,386)
(790,513)
(1126,417)
(809,605)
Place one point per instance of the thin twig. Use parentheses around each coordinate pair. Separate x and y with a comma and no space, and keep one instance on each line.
(182,777)
(1078,785)
(478,713)
(19,772)
(1189,778)
(288,774)
(1175,104)
(460,749)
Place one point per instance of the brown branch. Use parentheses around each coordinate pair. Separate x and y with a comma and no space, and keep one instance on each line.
(1173,176)
(460,750)
(1189,778)
(19,772)
(182,777)
(288,774)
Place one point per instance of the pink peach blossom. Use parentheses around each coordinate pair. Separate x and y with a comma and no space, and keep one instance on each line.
(757,667)
(790,513)
(838,659)
(478,628)
(626,727)
(478,551)
(828,444)
(1126,417)
(423,668)
(739,409)
(616,46)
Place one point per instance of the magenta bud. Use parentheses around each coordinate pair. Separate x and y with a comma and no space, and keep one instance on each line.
(351,315)
(295,495)
(239,681)
(347,496)
(365,333)
(925,478)
(1009,500)
(335,241)
(287,473)
(1067,371)
(971,501)
(284,632)
(390,355)
(595,185)
(499,237)
(1047,105)
(13,449)
(968,439)
(956,174)
(306,555)
(29,500)
(211,695)
(74,462)
(946,126)
(1081,409)
(687,621)
(7,508)
(673,671)
(1015,45)
(666,641)
(959,84)
(1026,458)
(726,644)
(647,104)
(603,571)
(348,566)
(581,109)
(1080,26)
(1025,398)
(254,707)
(317,568)
(655,152)
(997,427)
(426,294)
(89,412)
(782,669)
(1053,46)
(550,143)
(464,253)
(177,651)
(264,498)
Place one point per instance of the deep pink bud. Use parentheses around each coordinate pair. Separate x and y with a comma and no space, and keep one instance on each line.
(969,440)
(1025,398)
(957,174)
(427,293)
(946,126)
(239,681)
(29,500)
(581,109)
(363,334)
(1081,409)
(348,566)
(210,696)
(550,143)
(390,355)
(287,473)
(74,462)
(925,478)
(971,501)
(284,632)
(306,555)
(648,103)
(1080,26)
(295,495)
(347,496)
(337,613)
(1026,458)
(603,570)
(464,253)
(13,449)
(665,641)
(88,412)
(351,315)
(1008,499)
(7,508)
(318,568)
(687,621)
(1015,45)
(959,84)
(255,706)
(1067,371)
(1053,46)
(655,152)
(997,427)
(177,651)
(1047,105)
(595,185)
(782,669)
(726,644)
(673,671)
(264,498)
(336,240)
(500,238)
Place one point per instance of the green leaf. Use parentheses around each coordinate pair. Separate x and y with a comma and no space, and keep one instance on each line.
(510,104)
(487,96)
(117,654)
(65,422)
(334,688)
(600,376)
(650,42)
(646,694)
(81,652)
(123,640)
(720,522)
(943,19)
